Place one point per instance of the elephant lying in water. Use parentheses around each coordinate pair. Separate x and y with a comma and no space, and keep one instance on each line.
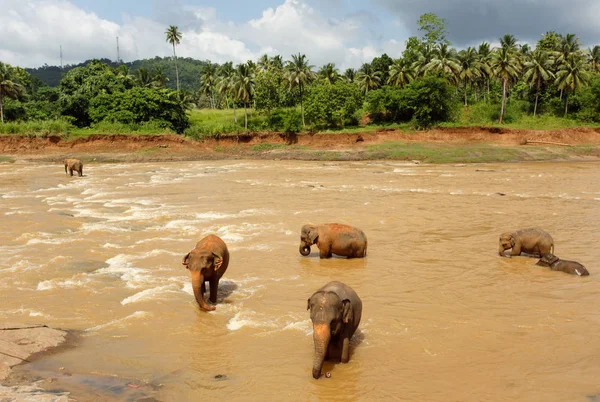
(207,263)
(335,311)
(556,264)
(333,238)
(531,241)
(73,165)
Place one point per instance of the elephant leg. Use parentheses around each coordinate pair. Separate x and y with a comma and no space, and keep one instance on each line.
(203,288)
(345,350)
(214,286)
(325,252)
(70,172)
(516,250)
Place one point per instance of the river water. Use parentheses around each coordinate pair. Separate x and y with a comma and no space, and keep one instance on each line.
(444,317)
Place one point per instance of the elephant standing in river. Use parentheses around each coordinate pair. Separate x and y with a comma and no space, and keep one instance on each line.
(335,311)
(207,263)
(333,238)
(531,241)
(556,264)
(73,165)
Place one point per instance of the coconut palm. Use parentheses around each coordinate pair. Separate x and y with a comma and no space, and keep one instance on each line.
(485,53)
(225,85)
(208,82)
(470,69)
(159,77)
(9,87)
(424,56)
(142,77)
(444,61)
(401,73)
(368,78)
(173,36)
(243,87)
(328,73)
(264,63)
(567,46)
(509,42)
(594,58)
(299,74)
(505,65)
(537,72)
(277,62)
(350,74)
(572,75)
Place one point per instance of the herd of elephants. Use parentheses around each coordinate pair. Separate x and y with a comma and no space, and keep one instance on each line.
(336,309)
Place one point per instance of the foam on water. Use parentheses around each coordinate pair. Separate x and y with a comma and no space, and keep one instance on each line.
(121,322)
(151,294)
(83,281)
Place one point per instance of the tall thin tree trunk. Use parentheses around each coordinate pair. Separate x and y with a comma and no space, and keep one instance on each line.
(302,108)
(561,94)
(245,118)
(1,108)
(176,68)
(566,103)
(537,95)
(503,99)
(466,105)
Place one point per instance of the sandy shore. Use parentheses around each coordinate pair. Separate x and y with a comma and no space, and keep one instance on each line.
(527,145)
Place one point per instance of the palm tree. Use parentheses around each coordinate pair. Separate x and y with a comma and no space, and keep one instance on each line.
(329,73)
(505,66)
(368,78)
(469,68)
(444,61)
(594,58)
(208,82)
(264,63)
(8,88)
(572,75)
(537,71)
(243,86)
(142,77)
(485,55)
(225,85)
(401,73)
(277,62)
(508,42)
(299,74)
(159,77)
(349,75)
(424,56)
(174,38)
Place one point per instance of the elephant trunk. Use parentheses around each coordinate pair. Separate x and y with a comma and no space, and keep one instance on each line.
(501,250)
(321,336)
(304,249)
(197,281)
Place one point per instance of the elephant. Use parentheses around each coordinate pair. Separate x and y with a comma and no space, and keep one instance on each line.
(531,241)
(335,311)
(556,264)
(73,165)
(333,238)
(207,263)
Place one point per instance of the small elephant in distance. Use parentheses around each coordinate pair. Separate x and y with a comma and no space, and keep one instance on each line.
(73,165)
(333,238)
(335,311)
(207,263)
(531,241)
(556,264)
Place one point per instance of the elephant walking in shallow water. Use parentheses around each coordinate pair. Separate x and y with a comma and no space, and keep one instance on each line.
(556,264)
(335,311)
(73,165)
(207,263)
(531,241)
(333,238)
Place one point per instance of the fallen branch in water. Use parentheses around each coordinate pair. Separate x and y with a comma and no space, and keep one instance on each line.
(546,142)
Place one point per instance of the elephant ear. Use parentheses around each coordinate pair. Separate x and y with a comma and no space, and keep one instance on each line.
(218,261)
(313,235)
(347,314)
(308,304)
(185,259)
(512,240)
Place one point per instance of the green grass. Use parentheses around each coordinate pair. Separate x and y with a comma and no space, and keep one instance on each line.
(267,147)
(36,128)
(6,159)
(120,128)
(474,153)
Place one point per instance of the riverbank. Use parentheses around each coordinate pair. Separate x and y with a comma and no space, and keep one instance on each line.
(440,145)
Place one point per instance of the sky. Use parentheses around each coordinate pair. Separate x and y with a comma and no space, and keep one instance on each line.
(345,32)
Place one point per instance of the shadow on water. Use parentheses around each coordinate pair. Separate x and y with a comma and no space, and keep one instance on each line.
(226,289)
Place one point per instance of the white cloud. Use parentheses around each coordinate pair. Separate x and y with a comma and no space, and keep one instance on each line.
(33,31)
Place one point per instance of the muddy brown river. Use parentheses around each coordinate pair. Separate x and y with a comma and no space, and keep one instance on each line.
(444,317)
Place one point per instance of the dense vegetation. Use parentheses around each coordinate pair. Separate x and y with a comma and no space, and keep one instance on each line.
(432,83)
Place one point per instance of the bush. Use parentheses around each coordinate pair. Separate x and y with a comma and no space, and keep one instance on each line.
(140,105)
(334,105)
(286,120)
(388,105)
(432,100)
(589,102)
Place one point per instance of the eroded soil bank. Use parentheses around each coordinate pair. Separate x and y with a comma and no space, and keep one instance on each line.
(520,145)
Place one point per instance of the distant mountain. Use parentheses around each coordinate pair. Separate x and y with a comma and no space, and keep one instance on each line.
(189,70)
